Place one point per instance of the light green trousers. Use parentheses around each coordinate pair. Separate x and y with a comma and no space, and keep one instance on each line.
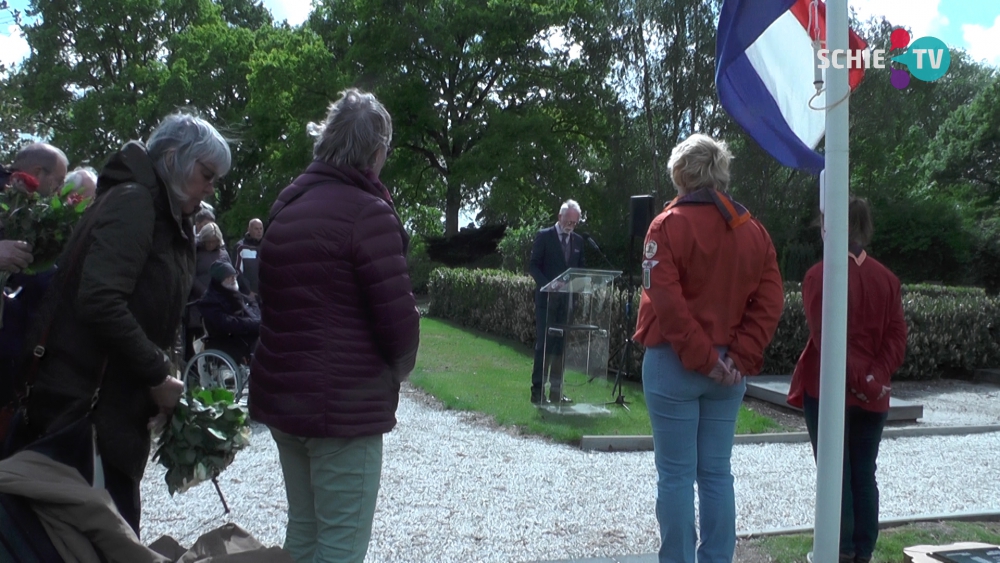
(332,485)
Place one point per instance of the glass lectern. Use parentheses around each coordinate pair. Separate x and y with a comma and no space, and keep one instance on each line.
(577,329)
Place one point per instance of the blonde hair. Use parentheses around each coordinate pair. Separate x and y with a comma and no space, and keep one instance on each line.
(210,231)
(700,162)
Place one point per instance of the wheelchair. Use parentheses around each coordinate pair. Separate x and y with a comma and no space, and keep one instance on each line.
(214,368)
(214,364)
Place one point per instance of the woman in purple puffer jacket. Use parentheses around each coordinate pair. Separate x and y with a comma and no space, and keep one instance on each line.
(339,331)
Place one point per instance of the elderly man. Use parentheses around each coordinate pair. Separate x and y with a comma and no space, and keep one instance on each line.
(245,256)
(46,163)
(555,249)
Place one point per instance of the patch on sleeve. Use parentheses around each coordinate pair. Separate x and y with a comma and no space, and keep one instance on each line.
(647,268)
(651,249)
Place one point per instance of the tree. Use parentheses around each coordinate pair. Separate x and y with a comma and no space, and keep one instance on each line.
(481,93)
(964,156)
(103,72)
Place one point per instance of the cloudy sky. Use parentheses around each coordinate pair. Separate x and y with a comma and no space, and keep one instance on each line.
(973,25)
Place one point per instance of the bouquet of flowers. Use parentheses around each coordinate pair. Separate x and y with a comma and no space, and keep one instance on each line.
(45,223)
(201,438)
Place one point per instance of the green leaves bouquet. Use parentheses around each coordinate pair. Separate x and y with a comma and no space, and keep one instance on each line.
(201,438)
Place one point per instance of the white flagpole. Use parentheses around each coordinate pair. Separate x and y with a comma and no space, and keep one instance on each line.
(833,357)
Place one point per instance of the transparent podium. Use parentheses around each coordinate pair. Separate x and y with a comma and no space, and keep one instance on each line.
(577,330)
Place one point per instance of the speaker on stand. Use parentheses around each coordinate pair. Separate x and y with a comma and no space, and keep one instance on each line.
(642,209)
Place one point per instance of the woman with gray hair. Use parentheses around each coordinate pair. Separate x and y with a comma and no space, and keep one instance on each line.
(339,331)
(711,300)
(115,304)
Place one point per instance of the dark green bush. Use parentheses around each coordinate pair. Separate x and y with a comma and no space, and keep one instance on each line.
(952,330)
(985,268)
(420,265)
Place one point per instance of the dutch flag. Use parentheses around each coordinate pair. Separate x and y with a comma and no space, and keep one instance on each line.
(764,73)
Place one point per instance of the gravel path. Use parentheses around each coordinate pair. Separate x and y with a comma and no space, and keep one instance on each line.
(455,488)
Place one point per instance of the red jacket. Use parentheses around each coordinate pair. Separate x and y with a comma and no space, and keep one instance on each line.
(339,325)
(876,333)
(710,283)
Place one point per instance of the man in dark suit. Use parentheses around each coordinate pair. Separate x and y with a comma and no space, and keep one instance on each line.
(555,249)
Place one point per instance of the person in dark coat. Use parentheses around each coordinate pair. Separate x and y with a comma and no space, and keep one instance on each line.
(245,257)
(339,332)
(114,309)
(232,320)
(555,249)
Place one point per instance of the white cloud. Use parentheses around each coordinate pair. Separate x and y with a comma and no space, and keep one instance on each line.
(294,11)
(921,17)
(982,41)
(13,46)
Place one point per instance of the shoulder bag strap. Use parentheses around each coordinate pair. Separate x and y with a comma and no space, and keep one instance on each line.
(76,255)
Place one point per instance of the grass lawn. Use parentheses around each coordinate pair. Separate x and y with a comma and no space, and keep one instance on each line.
(889,549)
(473,371)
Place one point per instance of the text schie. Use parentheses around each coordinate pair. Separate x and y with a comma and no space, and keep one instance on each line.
(876,58)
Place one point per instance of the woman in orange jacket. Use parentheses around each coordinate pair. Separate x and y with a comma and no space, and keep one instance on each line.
(711,300)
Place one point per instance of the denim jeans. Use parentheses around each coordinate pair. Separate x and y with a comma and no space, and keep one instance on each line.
(694,420)
(332,485)
(859,500)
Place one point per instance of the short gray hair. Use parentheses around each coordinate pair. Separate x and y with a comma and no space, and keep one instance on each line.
(570,204)
(75,178)
(356,126)
(204,214)
(700,162)
(181,140)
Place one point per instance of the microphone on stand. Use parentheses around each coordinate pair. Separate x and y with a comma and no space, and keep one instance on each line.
(593,244)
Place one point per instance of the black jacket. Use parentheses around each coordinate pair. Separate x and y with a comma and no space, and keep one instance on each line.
(547,259)
(122,306)
(228,313)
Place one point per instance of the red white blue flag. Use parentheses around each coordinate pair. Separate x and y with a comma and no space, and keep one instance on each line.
(764,73)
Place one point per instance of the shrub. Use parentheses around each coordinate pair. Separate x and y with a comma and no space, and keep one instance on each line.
(986,256)
(420,265)
(952,330)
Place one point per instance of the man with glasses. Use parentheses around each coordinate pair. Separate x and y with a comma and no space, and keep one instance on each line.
(555,249)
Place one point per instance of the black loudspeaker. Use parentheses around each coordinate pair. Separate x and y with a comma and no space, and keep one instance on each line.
(642,209)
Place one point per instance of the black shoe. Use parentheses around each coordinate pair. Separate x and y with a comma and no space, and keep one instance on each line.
(560,399)
(537,398)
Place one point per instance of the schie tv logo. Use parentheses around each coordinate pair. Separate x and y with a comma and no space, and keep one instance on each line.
(925,59)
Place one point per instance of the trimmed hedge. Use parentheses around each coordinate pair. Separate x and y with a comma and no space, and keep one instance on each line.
(952,330)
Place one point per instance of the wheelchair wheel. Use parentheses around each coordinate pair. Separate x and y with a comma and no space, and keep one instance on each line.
(212,369)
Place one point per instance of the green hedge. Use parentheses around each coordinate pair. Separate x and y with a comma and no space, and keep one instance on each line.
(952,330)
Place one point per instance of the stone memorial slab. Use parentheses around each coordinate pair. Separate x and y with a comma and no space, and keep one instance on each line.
(774,389)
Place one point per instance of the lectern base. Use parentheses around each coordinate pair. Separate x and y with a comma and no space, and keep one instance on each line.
(578,409)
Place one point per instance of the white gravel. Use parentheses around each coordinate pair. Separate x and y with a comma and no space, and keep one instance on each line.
(456,489)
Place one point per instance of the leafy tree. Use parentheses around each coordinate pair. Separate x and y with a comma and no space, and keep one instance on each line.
(964,156)
(482,93)
(102,72)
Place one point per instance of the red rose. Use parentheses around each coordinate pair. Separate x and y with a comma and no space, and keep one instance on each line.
(29,182)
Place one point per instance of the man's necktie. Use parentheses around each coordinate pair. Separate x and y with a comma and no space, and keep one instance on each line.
(565,246)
